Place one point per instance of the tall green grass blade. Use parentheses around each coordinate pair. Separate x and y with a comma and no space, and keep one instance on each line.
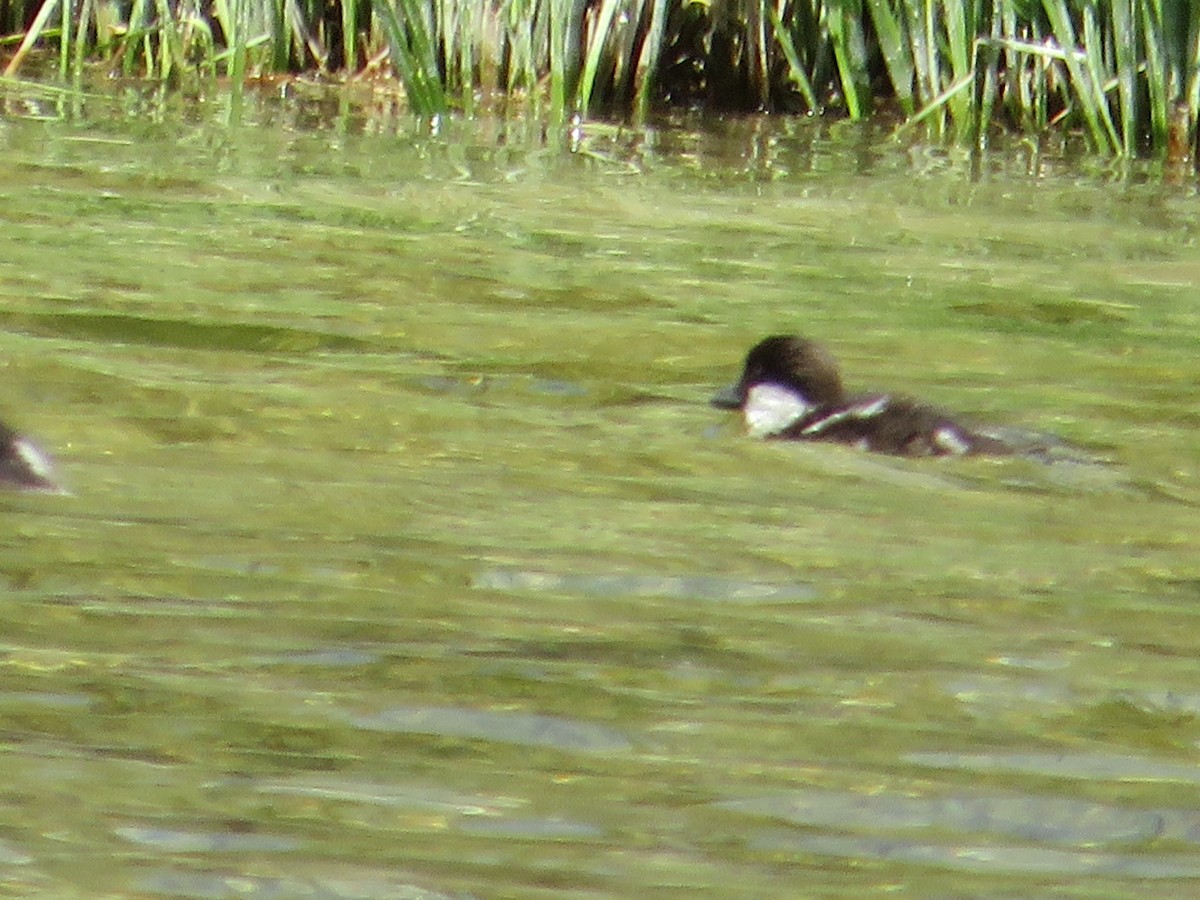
(288,38)
(303,40)
(1085,78)
(448,38)
(559,14)
(1099,75)
(522,58)
(943,99)
(540,43)
(233,18)
(796,73)
(960,44)
(1016,93)
(170,43)
(64,41)
(599,36)
(1160,72)
(1189,61)
(32,35)
(1189,66)
(469,15)
(755,52)
(134,45)
(923,48)
(987,77)
(412,54)
(647,65)
(850,53)
(80,41)
(896,50)
(350,44)
(623,48)
(1044,69)
(1124,43)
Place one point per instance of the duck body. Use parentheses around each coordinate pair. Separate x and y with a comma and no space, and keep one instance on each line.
(790,389)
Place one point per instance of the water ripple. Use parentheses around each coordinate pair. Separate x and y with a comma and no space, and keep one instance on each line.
(528,729)
(693,587)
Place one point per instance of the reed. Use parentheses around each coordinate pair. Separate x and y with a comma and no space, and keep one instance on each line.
(1125,73)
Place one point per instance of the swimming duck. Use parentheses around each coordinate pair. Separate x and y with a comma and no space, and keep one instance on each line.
(790,389)
(22,465)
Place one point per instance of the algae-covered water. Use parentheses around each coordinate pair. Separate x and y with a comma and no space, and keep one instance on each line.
(405,557)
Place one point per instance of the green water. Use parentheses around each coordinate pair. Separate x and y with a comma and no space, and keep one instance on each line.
(406,559)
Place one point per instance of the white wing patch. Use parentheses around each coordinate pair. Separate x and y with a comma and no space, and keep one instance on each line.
(770,408)
(34,459)
(864,409)
(37,463)
(951,440)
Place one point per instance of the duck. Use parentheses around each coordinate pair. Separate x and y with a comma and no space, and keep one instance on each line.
(23,466)
(790,389)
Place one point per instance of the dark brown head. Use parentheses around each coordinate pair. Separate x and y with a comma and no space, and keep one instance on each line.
(791,362)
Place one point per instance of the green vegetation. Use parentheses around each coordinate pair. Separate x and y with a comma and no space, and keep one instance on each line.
(1125,72)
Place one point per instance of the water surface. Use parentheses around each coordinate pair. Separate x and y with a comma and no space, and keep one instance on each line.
(405,557)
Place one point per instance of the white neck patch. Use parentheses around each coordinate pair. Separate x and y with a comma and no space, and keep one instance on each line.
(951,441)
(770,408)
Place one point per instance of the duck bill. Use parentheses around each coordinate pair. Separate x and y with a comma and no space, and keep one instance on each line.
(728,398)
